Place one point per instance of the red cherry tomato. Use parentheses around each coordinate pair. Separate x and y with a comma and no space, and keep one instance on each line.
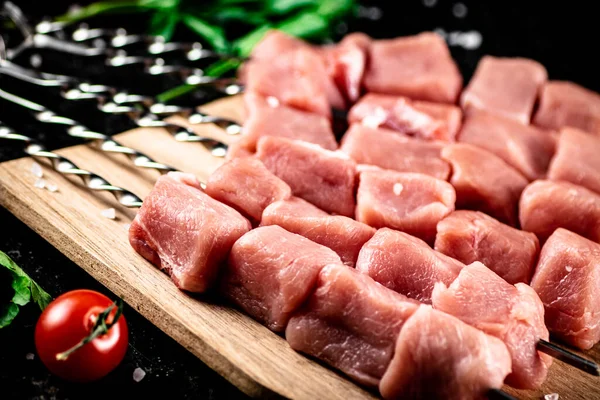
(69,319)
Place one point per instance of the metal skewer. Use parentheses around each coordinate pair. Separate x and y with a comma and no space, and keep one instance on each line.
(568,357)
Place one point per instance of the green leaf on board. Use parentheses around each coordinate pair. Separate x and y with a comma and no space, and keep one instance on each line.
(211,33)
(163,23)
(285,6)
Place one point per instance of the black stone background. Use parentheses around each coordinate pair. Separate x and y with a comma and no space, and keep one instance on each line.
(561,35)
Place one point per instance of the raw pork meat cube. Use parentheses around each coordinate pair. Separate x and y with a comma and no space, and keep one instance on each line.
(239,149)
(406,264)
(484,182)
(386,149)
(409,202)
(185,232)
(577,159)
(505,86)
(513,314)
(274,44)
(324,178)
(438,356)
(546,206)
(470,236)
(526,148)
(267,117)
(422,119)
(567,279)
(246,185)
(568,104)
(271,272)
(351,323)
(419,67)
(341,234)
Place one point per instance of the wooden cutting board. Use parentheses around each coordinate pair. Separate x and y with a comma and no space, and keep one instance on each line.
(250,356)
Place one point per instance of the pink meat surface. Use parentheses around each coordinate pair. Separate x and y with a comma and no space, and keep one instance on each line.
(568,104)
(577,159)
(513,314)
(405,264)
(268,117)
(341,234)
(422,119)
(470,236)
(246,185)
(271,272)
(505,86)
(567,279)
(275,43)
(547,205)
(438,356)
(239,149)
(386,149)
(419,67)
(527,148)
(409,202)
(351,323)
(484,182)
(185,232)
(322,177)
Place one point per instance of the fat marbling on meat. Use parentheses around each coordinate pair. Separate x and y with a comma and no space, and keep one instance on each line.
(185,232)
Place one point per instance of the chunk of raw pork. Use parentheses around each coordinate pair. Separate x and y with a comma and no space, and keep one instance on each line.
(322,177)
(185,232)
(419,67)
(546,206)
(577,159)
(438,356)
(246,185)
(567,279)
(350,322)
(405,264)
(484,182)
(409,202)
(386,149)
(513,314)
(470,236)
(505,86)
(271,272)
(274,44)
(422,119)
(568,104)
(341,234)
(525,147)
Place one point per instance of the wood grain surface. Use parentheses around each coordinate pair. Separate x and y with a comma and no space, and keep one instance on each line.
(250,356)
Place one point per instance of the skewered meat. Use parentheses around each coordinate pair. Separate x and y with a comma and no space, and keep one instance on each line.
(567,279)
(271,272)
(527,148)
(546,206)
(191,256)
(470,236)
(405,264)
(513,314)
(388,150)
(505,86)
(422,119)
(351,323)
(409,202)
(438,356)
(577,159)
(341,234)
(419,67)
(322,177)
(246,185)
(568,104)
(484,182)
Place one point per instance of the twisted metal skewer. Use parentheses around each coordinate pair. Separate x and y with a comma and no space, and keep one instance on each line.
(66,167)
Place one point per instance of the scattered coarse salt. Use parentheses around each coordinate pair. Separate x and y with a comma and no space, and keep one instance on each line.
(109,213)
(40,183)
(36,170)
(459,10)
(273,102)
(127,226)
(138,374)
(52,187)
(29,356)
(569,268)
(398,188)
(551,396)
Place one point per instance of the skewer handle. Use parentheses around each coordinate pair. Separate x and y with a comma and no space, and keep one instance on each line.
(568,357)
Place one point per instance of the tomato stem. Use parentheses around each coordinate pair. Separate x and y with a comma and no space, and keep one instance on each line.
(100,328)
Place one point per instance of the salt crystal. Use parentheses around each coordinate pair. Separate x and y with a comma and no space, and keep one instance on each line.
(52,187)
(29,356)
(569,268)
(551,396)
(273,102)
(109,213)
(40,183)
(36,170)
(398,188)
(459,10)
(127,226)
(138,374)
(430,3)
